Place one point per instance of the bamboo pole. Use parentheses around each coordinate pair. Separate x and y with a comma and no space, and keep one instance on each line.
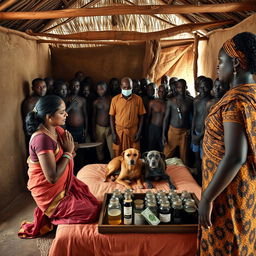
(121,10)
(195,51)
(90,42)
(132,35)
(6,4)
(164,43)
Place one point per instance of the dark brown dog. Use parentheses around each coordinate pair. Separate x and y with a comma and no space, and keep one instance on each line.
(129,164)
(154,168)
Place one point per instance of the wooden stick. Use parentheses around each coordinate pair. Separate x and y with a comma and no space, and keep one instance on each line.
(132,35)
(195,51)
(6,4)
(90,42)
(121,10)
(164,43)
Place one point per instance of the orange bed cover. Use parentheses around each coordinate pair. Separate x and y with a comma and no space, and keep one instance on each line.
(84,239)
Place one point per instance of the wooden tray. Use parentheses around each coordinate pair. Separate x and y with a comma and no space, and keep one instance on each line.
(104,227)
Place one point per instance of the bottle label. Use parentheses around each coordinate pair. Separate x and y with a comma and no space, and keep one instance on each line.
(127,220)
(138,219)
(165,218)
(127,210)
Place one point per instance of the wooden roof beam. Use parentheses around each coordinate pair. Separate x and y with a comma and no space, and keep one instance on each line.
(163,42)
(6,4)
(132,35)
(121,10)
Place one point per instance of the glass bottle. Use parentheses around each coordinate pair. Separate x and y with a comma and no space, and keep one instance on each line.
(177,211)
(185,195)
(114,212)
(127,209)
(190,209)
(117,193)
(165,212)
(153,207)
(138,208)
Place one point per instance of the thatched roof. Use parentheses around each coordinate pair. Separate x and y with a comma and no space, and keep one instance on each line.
(127,22)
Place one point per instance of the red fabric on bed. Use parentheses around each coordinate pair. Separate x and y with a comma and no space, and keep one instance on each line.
(84,239)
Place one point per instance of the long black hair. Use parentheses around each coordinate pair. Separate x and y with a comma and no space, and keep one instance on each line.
(46,105)
(246,43)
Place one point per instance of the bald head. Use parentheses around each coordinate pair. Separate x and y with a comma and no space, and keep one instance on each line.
(126,83)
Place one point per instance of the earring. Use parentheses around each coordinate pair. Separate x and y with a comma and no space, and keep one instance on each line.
(234,71)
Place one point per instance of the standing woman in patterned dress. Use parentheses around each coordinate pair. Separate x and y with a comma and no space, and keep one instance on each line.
(227,210)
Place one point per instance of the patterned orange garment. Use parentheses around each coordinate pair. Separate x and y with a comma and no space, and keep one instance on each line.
(234,211)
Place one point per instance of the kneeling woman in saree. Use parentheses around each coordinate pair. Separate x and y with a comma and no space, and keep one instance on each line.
(60,197)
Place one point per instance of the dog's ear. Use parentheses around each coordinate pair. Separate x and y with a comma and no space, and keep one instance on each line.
(162,155)
(122,154)
(144,155)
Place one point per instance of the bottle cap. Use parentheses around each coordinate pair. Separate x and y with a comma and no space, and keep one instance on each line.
(127,196)
(165,204)
(177,202)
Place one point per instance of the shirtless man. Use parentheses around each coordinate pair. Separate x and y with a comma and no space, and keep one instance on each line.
(156,112)
(219,89)
(39,90)
(176,123)
(197,131)
(77,117)
(76,122)
(150,93)
(100,121)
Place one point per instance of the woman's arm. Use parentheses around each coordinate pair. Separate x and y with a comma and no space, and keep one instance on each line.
(236,148)
(51,169)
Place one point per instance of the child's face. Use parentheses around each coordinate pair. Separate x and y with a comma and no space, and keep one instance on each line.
(101,90)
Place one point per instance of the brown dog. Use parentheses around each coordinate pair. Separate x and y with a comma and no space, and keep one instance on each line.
(130,164)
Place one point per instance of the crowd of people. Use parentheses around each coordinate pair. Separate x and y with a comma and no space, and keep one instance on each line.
(133,113)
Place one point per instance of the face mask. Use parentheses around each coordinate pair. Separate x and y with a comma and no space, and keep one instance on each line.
(127,93)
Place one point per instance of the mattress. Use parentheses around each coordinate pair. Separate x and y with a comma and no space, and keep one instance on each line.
(84,239)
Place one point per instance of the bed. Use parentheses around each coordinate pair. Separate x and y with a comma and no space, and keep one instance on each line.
(84,239)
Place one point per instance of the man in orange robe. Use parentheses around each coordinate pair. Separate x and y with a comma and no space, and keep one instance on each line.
(126,118)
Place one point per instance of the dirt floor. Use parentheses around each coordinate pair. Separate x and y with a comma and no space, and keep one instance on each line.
(20,209)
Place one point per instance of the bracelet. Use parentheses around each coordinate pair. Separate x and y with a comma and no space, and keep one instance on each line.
(66,156)
(68,153)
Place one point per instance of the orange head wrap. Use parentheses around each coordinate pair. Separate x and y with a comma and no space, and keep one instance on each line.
(230,49)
